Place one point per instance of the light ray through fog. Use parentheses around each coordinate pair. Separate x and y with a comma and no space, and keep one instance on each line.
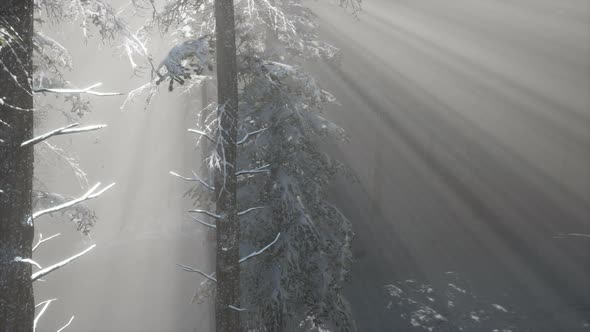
(470,130)
(470,134)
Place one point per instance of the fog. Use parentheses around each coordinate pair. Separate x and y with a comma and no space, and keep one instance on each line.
(469,127)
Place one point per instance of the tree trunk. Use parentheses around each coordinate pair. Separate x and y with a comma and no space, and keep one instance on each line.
(228,237)
(17,306)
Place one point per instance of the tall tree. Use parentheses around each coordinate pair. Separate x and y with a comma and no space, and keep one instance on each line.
(31,65)
(17,306)
(281,174)
(227,315)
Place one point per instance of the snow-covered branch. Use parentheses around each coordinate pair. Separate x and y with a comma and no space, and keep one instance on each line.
(87,90)
(241,213)
(45,305)
(67,324)
(41,240)
(202,133)
(194,178)
(236,308)
(62,131)
(204,223)
(243,140)
(190,269)
(88,195)
(256,253)
(261,169)
(27,260)
(59,265)
(211,214)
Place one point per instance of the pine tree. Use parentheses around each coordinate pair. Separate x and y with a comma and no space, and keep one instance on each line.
(295,281)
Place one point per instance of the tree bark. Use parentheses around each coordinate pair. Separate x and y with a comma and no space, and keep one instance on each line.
(228,230)
(17,306)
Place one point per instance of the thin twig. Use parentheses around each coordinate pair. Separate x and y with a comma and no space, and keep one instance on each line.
(204,223)
(190,269)
(256,253)
(211,214)
(241,213)
(41,240)
(68,324)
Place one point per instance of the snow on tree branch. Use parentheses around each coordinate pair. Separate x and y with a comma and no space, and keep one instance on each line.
(88,195)
(232,307)
(67,324)
(195,178)
(261,169)
(45,305)
(62,131)
(190,269)
(202,134)
(203,222)
(27,260)
(241,213)
(42,240)
(256,253)
(59,265)
(211,214)
(243,140)
(89,90)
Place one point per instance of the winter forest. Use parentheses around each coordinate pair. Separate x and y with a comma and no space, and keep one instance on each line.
(294,165)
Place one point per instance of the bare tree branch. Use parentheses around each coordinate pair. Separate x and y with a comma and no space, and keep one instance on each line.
(241,213)
(62,131)
(202,133)
(261,169)
(204,223)
(211,214)
(67,324)
(45,305)
(256,253)
(87,90)
(88,195)
(41,240)
(61,264)
(190,269)
(195,178)
(243,140)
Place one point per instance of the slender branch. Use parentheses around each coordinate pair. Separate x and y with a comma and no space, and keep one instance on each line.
(211,214)
(261,169)
(88,195)
(579,234)
(61,264)
(243,140)
(195,178)
(45,305)
(87,90)
(67,324)
(241,213)
(41,240)
(202,133)
(27,260)
(190,269)
(236,308)
(62,131)
(204,223)
(256,253)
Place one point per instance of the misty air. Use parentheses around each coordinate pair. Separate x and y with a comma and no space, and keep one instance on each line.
(294,165)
